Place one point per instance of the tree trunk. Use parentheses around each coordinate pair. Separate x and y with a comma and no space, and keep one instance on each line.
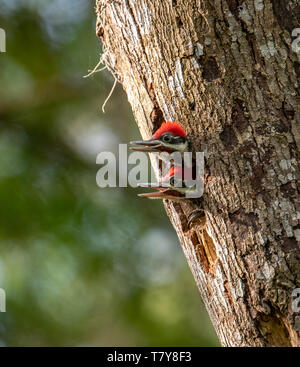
(226,70)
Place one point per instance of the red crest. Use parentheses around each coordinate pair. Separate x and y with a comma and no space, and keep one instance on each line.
(170,127)
(179,172)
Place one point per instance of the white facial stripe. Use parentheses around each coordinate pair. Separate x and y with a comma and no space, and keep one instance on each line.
(180,147)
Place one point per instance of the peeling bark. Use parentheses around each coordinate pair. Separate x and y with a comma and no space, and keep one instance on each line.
(225,69)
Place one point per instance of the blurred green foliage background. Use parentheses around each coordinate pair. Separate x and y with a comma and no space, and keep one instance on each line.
(80,265)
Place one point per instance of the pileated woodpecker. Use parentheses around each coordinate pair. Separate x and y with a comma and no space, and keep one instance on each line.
(172,186)
(170,137)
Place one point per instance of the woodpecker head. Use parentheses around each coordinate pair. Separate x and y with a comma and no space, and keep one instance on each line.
(170,137)
(172,186)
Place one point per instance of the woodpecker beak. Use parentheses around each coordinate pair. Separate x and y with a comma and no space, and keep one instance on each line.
(163,192)
(149,146)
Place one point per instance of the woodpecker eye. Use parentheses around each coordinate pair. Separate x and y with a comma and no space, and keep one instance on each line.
(166,138)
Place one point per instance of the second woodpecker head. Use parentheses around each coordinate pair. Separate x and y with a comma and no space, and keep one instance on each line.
(170,137)
(173,186)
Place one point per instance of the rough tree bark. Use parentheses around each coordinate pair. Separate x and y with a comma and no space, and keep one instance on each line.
(226,71)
